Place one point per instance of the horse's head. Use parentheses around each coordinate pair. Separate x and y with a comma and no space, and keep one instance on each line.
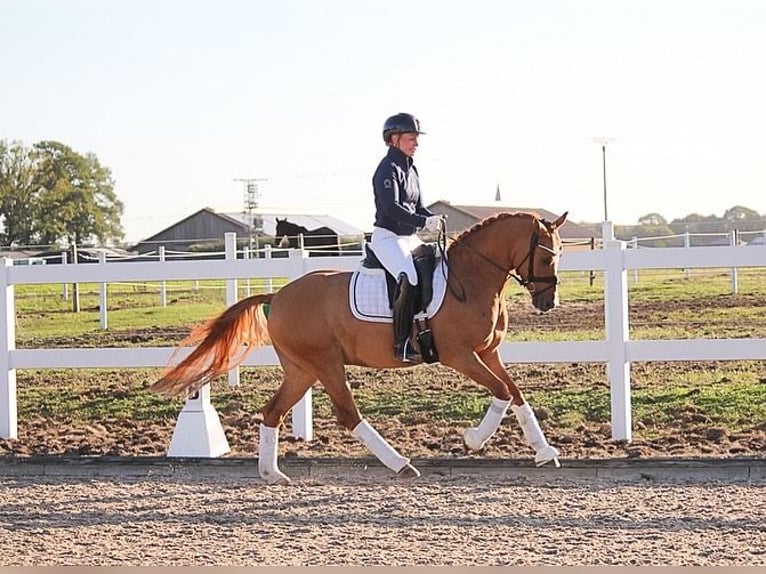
(538,271)
(285,233)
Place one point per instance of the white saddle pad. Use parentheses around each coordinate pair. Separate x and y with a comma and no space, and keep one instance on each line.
(368,298)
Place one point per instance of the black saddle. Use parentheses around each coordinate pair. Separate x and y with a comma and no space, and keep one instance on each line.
(424,257)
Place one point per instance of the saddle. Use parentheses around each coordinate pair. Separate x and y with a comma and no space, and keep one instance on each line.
(424,258)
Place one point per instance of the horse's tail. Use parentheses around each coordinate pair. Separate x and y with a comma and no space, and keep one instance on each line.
(224,342)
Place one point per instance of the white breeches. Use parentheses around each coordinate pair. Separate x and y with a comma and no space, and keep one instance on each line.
(395,252)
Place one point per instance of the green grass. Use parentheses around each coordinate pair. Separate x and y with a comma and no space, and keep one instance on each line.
(729,394)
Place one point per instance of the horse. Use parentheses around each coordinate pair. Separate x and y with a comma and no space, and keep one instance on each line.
(323,239)
(314,334)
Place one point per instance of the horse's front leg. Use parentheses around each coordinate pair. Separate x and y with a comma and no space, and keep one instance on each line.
(544,452)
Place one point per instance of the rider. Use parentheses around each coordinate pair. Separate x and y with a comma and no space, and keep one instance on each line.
(399,214)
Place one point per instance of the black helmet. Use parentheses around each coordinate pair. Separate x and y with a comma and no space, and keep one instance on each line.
(400,124)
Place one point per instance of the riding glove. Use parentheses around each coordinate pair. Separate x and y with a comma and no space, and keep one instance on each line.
(433,222)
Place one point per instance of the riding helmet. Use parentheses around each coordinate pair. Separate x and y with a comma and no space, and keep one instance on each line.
(401,124)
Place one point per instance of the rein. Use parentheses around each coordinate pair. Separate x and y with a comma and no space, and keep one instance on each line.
(528,283)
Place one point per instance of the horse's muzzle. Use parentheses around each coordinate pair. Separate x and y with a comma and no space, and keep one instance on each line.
(545,301)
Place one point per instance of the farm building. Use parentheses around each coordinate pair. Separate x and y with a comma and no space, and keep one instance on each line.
(460,217)
(207,227)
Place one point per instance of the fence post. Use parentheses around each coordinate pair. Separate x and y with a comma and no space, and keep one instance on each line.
(246,255)
(302,419)
(734,272)
(617,337)
(634,245)
(230,243)
(9,427)
(102,313)
(198,431)
(163,283)
(687,244)
(65,288)
(76,286)
(267,256)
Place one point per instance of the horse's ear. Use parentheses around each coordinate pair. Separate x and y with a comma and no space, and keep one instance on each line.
(560,221)
(280,220)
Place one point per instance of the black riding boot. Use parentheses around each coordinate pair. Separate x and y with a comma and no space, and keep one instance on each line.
(404,312)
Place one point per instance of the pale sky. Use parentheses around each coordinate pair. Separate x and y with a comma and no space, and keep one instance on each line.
(180,98)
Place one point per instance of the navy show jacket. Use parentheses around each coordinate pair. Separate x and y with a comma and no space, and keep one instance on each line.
(398,205)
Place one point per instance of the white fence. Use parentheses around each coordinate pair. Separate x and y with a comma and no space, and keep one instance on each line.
(616,350)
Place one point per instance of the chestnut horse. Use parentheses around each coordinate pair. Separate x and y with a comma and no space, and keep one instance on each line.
(314,334)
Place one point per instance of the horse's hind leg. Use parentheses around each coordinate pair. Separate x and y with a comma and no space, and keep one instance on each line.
(294,385)
(333,377)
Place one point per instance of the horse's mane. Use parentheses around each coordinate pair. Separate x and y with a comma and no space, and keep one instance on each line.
(294,226)
(492,219)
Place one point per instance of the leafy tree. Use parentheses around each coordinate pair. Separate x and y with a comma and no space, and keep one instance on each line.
(61,195)
(740,213)
(653,219)
(17,191)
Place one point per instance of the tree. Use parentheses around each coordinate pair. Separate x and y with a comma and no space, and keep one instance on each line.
(652,219)
(740,213)
(63,196)
(17,190)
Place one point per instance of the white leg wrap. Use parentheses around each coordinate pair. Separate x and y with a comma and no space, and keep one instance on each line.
(379,447)
(268,446)
(476,437)
(534,435)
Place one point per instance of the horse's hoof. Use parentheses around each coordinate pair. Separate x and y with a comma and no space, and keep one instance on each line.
(275,478)
(547,454)
(408,471)
(471,439)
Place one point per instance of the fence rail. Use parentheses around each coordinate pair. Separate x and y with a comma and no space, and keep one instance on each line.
(616,350)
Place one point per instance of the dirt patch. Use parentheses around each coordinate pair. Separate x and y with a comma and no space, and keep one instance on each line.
(477,521)
(417,430)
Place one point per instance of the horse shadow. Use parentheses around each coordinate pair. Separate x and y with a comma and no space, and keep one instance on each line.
(319,242)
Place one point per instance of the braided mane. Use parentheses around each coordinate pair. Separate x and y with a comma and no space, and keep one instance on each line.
(490,220)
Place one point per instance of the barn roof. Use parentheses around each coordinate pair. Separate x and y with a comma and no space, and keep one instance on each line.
(268,222)
(570,229)
(309,221)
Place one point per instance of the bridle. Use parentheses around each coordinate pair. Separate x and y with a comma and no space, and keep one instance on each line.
(531,280)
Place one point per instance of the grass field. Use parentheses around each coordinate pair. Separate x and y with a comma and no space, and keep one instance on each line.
(714,408)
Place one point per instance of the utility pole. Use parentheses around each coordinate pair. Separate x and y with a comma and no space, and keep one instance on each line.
(602,142)
(251,203)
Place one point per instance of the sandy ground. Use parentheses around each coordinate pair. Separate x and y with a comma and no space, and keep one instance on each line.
(380,521)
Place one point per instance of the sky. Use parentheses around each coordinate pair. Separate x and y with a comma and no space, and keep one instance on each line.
(182,100)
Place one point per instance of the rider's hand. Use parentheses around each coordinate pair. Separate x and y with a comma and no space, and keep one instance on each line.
(433,222)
